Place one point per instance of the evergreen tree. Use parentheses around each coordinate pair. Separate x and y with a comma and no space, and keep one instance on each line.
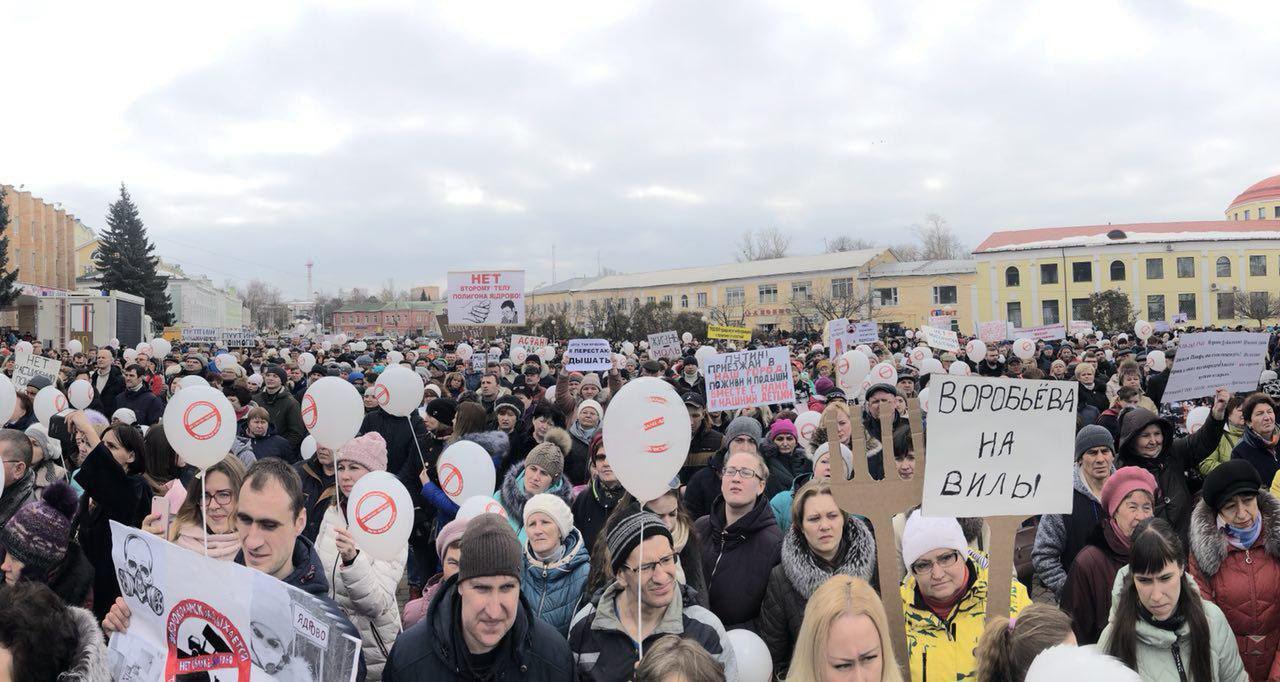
(127,260)
(8,292)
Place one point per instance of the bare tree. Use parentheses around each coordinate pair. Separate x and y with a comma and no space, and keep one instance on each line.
(728,314)
(906,251)
(266,309)
(1258,306)
(766,244)
(814,312)
(388,291)
(937,240)
(358,295)
(846,243)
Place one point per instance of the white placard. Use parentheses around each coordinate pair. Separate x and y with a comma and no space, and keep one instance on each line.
(27,366)
(942,339)
(208,335)
(864,332)
(664,345)
(993,332)
(837,336)
(529,343)
(748,378)
(1048,332)
(478,361)
(1207,360)
(588,355)
(1081,327)
(940,321)
(487,297)
(999,447)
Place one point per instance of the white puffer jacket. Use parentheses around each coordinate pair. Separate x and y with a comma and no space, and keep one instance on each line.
(366,591)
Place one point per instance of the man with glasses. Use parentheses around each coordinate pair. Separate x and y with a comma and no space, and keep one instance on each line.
(19,480)
(645,603)
(944,598)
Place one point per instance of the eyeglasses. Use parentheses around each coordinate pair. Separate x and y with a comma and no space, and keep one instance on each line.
(666,562)
(747,473)
(926,567)
(222,497)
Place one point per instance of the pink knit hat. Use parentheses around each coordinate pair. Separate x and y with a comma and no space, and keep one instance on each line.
(1124,481)
(783,426)
(369,451)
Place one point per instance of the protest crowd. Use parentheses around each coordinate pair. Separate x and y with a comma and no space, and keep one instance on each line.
(547,539)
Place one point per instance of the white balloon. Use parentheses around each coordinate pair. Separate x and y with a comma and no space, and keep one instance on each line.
(619,361)
(883,373)
(129,355)
(381,516)
(851,369)
(308,447)
(49,401)
(686,337)
(976,350)
(1196,418)
(465,470)
(74,346)
(911,334)
(480,504)
(931,366)
(200,425)
(1142,329)
(918,355)
(144,349)
(807,425)
(161,346)
(703,355)
(340,339)
(1024,348)
(306,361)
(192,381)
(387,345)
(284,353)
(332,411)
(399,391)
(224,361)
(23,346)
(519,354)
(80,393)
(8,400)
(646,433)
(923,398)
(326,345)
(754,662)
(394,357)
(1156,361)
(628,348)
(550,394)
(866,350)
(547,352)
(959,369)
(464,351)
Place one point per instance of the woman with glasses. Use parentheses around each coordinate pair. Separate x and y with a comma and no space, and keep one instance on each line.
(208,514)
(822,541)
(556,561)
(741,543)
(944,598)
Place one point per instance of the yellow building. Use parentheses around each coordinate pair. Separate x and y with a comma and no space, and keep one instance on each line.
(41,240)
(1259,202)
(910,294)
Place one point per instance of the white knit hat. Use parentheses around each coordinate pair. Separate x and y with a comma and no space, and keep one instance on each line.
(589,403)
(926,534)
(554,508)
(125,415)
(845,452)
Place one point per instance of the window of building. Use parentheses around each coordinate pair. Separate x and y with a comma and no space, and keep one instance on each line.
(684,300)
(1048,273)
(768,293)
(1080,309)
(1186,267)
(650,300)
(1155,307)
(735,296)
(887,296)
(1223,266)
(1258,300)
(1248,213)
(1276,213)
(666,300)
(1012,276)
(842,287)
(1013,313)
(702,299)
(944,295)
(1117,271)
(1082,272)
(801,291)
(1049,311)
(1155,268)
(1257,266)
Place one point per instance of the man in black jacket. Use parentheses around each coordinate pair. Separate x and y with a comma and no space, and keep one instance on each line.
(107,382)
(137,396)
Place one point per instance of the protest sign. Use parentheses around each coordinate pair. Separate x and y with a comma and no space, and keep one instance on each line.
(1161,326)
(664,345)
(993,332)
(1081,327)
(716,331)
(1207,360)
(529,343)
(27,366)
(494,297)
(940,321)
(238,338)
(999,447)
(478,362)
(864,332)
(836,331)
(752,377)
(197,616)
(1048,332)
(206,335)
(942,339)
(588,355)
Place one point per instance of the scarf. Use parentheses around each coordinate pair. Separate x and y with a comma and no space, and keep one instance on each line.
(222,546)
(942,608)
(585,435)
(1175,621)
(1120,537)
(551,557)
(1241,538)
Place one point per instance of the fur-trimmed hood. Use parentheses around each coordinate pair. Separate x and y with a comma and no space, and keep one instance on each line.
(560,438)
(90,663)
(496,443)
(806,576)
(512,494)
(1210,547)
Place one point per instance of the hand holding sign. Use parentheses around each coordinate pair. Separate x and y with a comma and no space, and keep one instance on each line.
(380,515)
(399,390)
(646,433)
(200,425)
(332,411)
(465,471)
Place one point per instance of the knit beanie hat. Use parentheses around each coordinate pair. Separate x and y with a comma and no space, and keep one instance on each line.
(822,385)
(590,379)
(591,404)
(276,370)
(743,426)
(781,426)
(845,452)
(1093,436)
(629,532)
(38,533)
(597,442)
(549,457)
(926,534)
(489,547)
(443,410)
(451,533)
(1231,478)
(554,508)
(369,451)
(1124,481)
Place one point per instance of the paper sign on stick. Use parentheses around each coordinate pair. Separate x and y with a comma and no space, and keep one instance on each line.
(753,377)
(715,331)
(529,343)
(27,366)
(588,355)
(1207,360)
(993,332)
(1048,332)
(942,339)
(492,297)
(664,345)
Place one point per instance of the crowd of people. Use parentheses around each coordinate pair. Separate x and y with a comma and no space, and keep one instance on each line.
(1167,566)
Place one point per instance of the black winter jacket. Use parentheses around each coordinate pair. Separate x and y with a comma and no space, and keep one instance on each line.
(105,400)
(1175,463)
(148,408)
(736,561)
(591,508)
(1255,451)
(317,493)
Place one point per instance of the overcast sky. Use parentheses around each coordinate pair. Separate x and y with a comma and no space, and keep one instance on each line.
(403,139)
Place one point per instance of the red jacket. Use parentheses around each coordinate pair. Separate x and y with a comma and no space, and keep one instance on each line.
(1243,583)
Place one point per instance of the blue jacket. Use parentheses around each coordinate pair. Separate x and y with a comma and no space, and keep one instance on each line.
(553,589)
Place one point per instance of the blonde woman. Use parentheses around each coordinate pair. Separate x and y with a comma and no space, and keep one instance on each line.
(845,636)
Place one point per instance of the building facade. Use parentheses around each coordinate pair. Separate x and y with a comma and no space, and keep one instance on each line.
(1261,201)
(396,318)
(41,240)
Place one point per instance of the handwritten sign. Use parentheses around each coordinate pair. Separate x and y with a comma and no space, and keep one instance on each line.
(489,297)
(940,321)
(942,339)
(999,447)
(864,332)
(993,332)
(715,331)
(1047,332)
(208,335)
(478,362)
(753,377)
(664,345)
(27,366)
(1207,360)
(529,343)
(588,355)
(1081,327)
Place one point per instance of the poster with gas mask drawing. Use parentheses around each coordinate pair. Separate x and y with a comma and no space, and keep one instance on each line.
(196,618)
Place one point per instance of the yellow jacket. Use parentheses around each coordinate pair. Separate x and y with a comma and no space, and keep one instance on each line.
(939,650)
(1275,485)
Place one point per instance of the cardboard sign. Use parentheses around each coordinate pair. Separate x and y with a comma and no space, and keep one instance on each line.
(715,331)
(206,335)
(1207,360)
(27,366)
(664,345)
(238,338)
(837,333)
(749,378)
(588,355)
(194,616)
(993,332)
(942,339)
(529,343)
(1048,332)
(494,297)
(999,447)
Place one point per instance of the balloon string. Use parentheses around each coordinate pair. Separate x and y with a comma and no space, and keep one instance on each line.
(639,594)
(204,511)
(416,444)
